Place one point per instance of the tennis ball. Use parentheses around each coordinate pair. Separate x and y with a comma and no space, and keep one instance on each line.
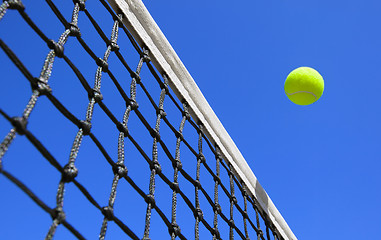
(304,86)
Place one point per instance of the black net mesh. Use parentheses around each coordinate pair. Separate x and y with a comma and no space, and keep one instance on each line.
(130,132)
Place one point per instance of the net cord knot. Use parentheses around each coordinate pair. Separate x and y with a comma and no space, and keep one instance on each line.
(114,46)
(145,56)
(174,229)
(175,187)
(81,3)
(85,126)
(58,214)
(176,164)
(108,212)
(150,199)
(216,233)
(179,135)
(201,158)
(197,183)
(57,48)
(69,172)
(136,76)
(41,86)
(133,104)
(16,4)
(103,64)
(96,94)
(20,124)
(155,166)
(74,30)
(122,128)
(198,214)
(155,134)
(217,208)
(120,169)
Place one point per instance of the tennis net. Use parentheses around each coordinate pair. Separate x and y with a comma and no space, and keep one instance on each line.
(114,119)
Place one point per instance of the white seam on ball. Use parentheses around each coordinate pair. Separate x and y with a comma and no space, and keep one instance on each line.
(289,94)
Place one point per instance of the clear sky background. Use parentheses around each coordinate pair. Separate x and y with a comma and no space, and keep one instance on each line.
(320,164)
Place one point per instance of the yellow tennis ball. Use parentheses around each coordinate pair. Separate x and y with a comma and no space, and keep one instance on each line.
(304,86)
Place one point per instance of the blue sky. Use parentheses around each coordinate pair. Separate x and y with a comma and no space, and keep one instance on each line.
(320,164)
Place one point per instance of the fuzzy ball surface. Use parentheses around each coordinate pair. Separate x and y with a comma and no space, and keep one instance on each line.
(304,86)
